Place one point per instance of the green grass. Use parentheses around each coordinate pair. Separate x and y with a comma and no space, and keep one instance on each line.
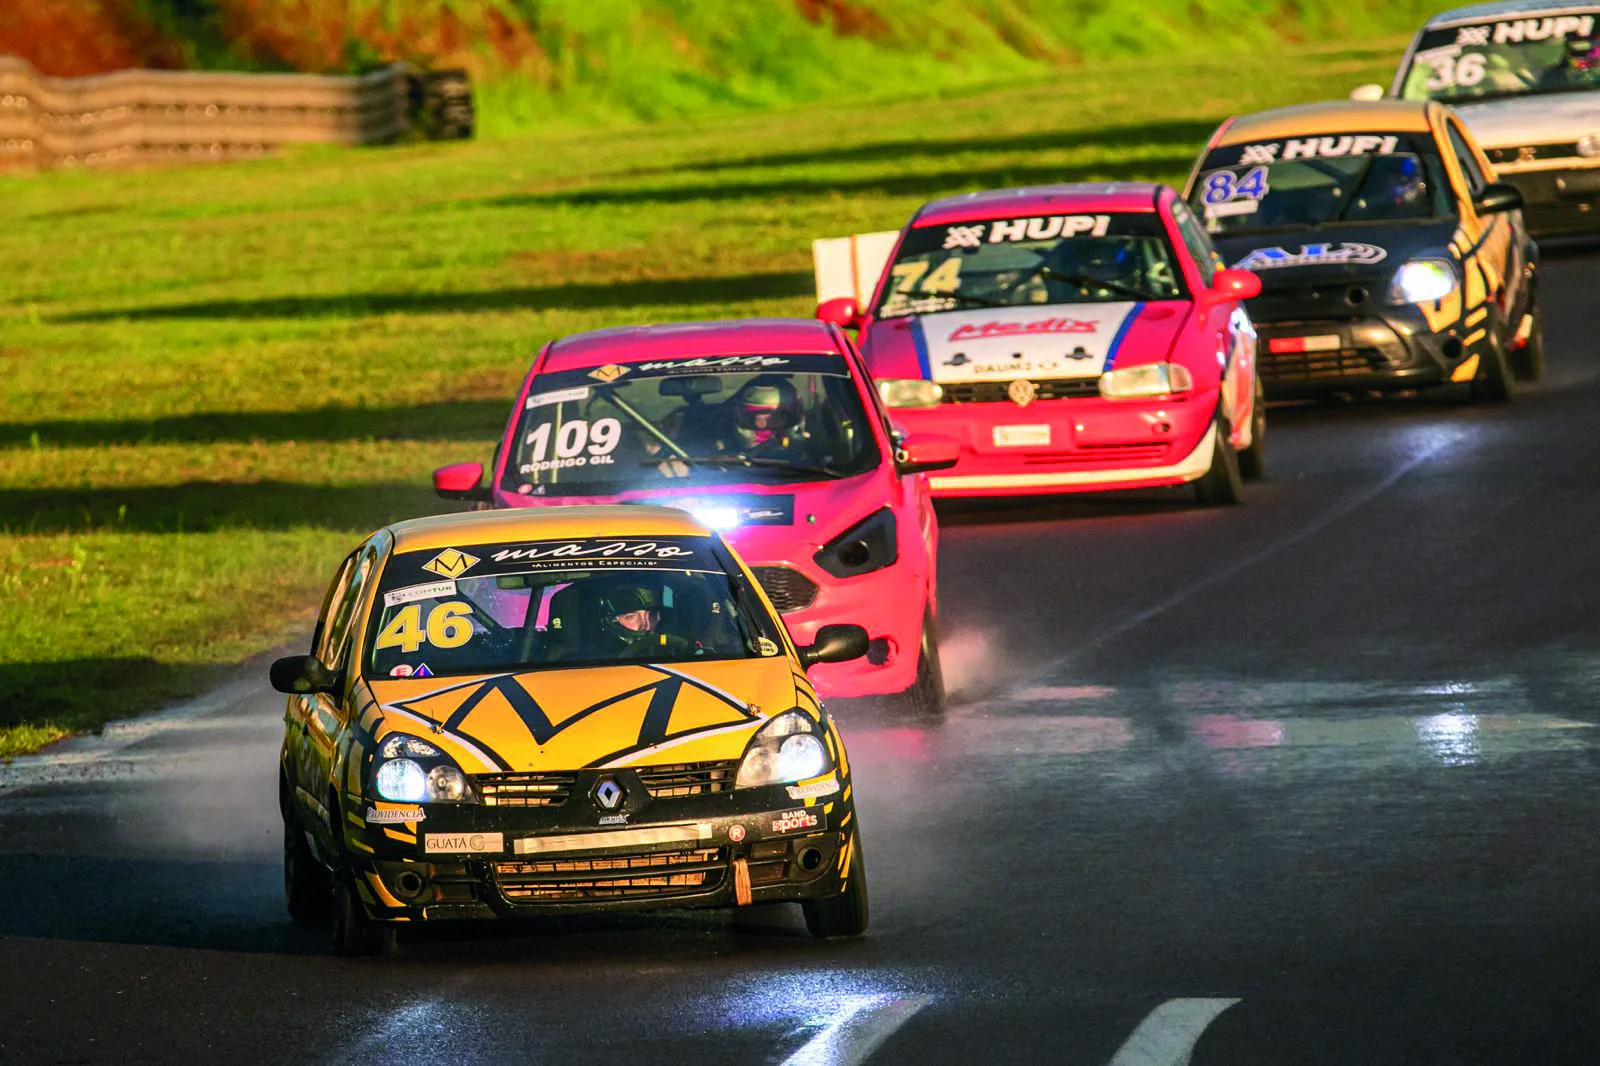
(213,380)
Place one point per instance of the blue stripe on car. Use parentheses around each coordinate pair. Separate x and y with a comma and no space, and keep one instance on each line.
(921,344)
(1122,331)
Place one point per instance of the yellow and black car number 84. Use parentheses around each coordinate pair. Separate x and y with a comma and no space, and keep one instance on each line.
(448,626)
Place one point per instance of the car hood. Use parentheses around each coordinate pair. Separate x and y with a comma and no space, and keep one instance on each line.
(1342,253)
(1034,341)
(765,524)
(569,719)
(1538,119)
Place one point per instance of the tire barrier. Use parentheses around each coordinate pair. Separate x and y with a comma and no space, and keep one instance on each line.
(135,116)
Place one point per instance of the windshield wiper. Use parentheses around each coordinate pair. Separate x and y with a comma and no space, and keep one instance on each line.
(766,461)
(1103,283)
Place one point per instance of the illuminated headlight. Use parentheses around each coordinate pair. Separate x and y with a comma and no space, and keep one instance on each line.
(909,392)
(1589,145)
(1152,379)
(788,748)
(718,518)
(1422,281)
(410,770)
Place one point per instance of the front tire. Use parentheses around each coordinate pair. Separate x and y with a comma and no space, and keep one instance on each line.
(844,915)
(354,933)
(1222,483)
(1253,460)
(1494,382)
(307,892)
(926,695)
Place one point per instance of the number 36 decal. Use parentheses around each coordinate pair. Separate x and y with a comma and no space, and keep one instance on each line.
(448,627)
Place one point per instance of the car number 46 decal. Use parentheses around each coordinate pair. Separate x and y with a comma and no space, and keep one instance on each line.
(448,626)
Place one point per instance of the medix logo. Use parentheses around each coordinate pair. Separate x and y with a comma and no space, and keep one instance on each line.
(1011,329)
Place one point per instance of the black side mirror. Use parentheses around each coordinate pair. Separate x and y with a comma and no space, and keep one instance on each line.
(301,675)
(1497,198)
(835,644)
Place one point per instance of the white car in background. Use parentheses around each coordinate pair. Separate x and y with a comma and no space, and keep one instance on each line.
(1525,77)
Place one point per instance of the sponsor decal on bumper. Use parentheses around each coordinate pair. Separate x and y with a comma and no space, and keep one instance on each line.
(463,843)
(403,814)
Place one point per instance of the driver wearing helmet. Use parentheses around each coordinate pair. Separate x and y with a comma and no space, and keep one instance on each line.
(1405,187)
(630,625)
(765,415)
(1579,66)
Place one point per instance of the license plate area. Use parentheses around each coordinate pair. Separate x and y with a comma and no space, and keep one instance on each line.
(1031,436)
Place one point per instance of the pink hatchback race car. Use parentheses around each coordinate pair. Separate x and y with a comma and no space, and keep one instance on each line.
(768,431)
(1072,338)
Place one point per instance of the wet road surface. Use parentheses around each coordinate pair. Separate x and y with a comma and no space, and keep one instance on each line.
(1311,780)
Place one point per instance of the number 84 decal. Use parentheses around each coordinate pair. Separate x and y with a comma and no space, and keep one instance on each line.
(1225,185)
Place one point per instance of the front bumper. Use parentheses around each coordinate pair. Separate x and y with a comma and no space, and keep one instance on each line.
(1382,351)
(1078,444)
(536,861)
(1558,202)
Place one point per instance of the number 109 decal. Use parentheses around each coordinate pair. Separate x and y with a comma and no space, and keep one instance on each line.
(579,442)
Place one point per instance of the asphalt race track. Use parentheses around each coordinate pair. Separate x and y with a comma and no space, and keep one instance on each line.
(1310,780)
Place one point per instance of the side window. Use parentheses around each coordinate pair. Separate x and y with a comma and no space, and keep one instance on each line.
(1195,239)
(860,365)
(1476,179)
(334,645)
(330,602)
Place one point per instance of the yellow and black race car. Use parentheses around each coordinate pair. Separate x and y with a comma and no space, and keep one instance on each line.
(1390,257)
(567,709)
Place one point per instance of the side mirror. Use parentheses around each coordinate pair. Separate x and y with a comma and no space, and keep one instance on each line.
(1236,285)
(923,452)
(1367,93)
(837,643)
(301,675)
(1497,198)
(460,481)
(841,311)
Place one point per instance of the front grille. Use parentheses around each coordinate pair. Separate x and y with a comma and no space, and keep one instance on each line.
(789,590)
(1312,366)
(995,391)
(661,873)
(1144,454)
(688,779)
(524,790)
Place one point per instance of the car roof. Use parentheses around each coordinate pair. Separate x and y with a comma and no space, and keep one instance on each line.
(1329,117)
(1065,198)
(1481,12)
(683,340)
(465,529)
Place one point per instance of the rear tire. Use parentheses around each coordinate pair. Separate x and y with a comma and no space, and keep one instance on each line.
(1527,362)
(844,915)
(925,697)
(307,892)
(1222,483)
(354,933)
(1494,383)
(1253,460)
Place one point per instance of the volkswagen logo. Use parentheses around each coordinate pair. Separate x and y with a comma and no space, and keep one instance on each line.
(1022,392)
(608,795)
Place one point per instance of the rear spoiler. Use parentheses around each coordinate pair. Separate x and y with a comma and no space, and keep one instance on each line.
(850,266)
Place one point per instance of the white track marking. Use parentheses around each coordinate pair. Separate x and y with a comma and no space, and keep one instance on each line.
(1217,577)
(1168,1034)
(855,1032)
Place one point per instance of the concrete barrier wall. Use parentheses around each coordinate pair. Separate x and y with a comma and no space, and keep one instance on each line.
(152,115)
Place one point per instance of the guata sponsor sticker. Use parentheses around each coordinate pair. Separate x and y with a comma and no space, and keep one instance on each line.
(463,842)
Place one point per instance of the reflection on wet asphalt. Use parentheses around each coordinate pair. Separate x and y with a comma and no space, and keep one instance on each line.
(1311,780)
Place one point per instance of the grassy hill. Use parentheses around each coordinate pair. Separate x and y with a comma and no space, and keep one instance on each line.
(539,63)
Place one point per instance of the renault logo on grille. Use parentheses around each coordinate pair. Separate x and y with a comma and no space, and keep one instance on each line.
(1022,392)
(608,795)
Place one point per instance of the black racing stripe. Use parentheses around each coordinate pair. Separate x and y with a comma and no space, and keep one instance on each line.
(658,717)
